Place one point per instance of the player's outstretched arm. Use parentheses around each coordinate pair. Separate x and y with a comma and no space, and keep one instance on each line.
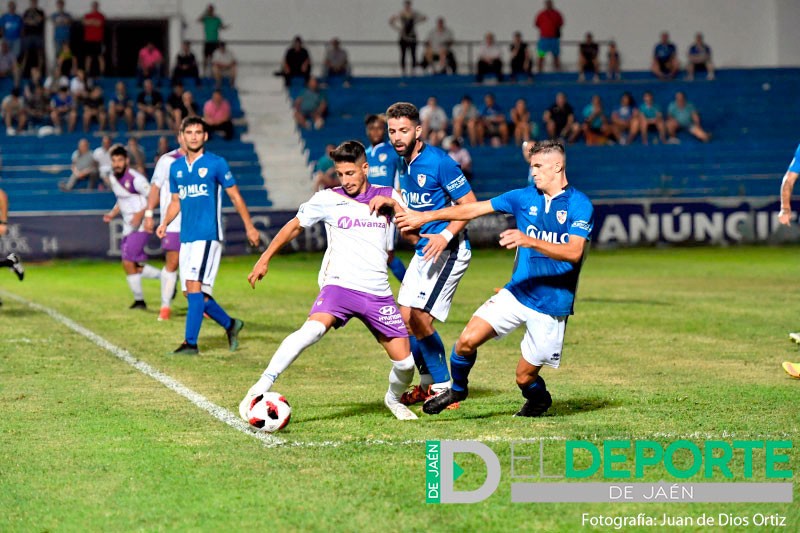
(410,220)
(287,234)
(111,215)
(253,236)
(785,215)
(3,212)
(172,211)
(571,251)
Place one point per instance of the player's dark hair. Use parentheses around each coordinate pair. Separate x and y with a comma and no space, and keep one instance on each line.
(403,110)
(118,150)
(349,152)
(374,118)
(190,121)
(550,145)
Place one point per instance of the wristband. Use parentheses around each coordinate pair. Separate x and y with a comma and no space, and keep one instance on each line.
(148,213)
(446,234)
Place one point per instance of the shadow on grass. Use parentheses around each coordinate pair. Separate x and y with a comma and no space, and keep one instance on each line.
(623,301)
(560,408)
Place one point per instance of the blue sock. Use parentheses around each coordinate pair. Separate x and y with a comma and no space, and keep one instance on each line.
(194,316)
(417,353)
(460,366)
(213,309)
(398,268)
(433,353)
(533,390)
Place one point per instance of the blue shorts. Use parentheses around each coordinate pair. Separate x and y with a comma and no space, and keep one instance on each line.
(549,45)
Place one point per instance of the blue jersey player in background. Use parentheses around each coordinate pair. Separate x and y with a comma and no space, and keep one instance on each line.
(196,182)
(383,165)
(554,224)
(785,217)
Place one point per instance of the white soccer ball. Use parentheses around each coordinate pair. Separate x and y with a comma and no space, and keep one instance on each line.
(269,412)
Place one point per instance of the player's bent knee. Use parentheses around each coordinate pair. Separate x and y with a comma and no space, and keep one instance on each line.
(314,330)
(404,365)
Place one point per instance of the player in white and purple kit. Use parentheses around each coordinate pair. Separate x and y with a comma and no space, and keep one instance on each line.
(554,225)
(131,190)
(353,277)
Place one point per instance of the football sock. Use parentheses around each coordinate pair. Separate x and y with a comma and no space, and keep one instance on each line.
(432,350)
(217,313)
(150,272)
(168,282)
(418,359)
(291,347)
(532,390)
(194,316)
(135,283)
(400,377)
(6,263)
(460,366)
(398,268)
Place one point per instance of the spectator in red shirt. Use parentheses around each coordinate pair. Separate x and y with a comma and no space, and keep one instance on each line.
(217,115)
(549,22)
(94,27)
(150,64)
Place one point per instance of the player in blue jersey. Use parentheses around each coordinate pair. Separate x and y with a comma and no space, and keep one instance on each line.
(429,179)
(383,163)
(785,217)
(554,224)
(196,182)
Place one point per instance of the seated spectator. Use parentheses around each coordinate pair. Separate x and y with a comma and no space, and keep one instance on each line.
(162,148)
(150,64)
(311,107)
(217,115)
(596,128)
(492,123)
(520,117)
(625,120)
(186,66)
(63,106)
(84,167)
(588,62)
(37,107)
(94,108)
(651,118)
(324,176)
(699,59)
(337,64)
(190,107)
(433,120)
(614,64)
(66,61)
(521,60)
(460,155)
(8,63)
(438,55)
(559,119)
(175,108)
(120,105)
(138,160)
(489,59)
(682,115)
(223,65)
(465,115)
(13,109)
(102,158)
(296,62)
(149,104)
(665,59)
(54,81)
(79,86)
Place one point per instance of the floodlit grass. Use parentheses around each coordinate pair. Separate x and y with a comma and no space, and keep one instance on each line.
(667,344)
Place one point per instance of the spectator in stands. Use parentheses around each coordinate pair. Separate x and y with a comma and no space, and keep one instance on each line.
(78,86)
(94,31)
(433,120)
(62,105)
(54,81)
(596,128)
(102,158)
(217,115)
(682,115)
(625,120)
(489,59)
(651,118)
(8,63)
(324,176)
(549,21)
(138,159)
(311,107)
(84,167)
(520,117)
(13,108)
(212,25)
(150,63)
(190,107)
(405,22)
(665,59)
(296,62)
(613,62)
(223,65)
(161,148)
(337,64)
(185,66)
(62,26)
(66,62)
(466,115)
(120,105)
(11,24)
(438,55)
(32,38)
(175,110)
(521,61)
(699,59)
(492,124)
(94,108)
(460,155)
(559,119)
(37,107)
(588,59)
(149,104)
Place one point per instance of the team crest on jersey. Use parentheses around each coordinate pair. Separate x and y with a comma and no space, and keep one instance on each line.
(382,157)
(533,211)
(421,179)
(202,172)
(561,216)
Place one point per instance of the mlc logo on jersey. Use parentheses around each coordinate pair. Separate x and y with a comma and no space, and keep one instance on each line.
(192,190)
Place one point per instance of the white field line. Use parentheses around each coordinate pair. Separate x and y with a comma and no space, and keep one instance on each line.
(271,441)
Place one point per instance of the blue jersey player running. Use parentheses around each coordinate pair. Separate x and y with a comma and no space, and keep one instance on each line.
(785,217)
(196,182)
(554,224)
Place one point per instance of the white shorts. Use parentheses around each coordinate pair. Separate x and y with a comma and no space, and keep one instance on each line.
(544,336)
(199,261)
(430,286)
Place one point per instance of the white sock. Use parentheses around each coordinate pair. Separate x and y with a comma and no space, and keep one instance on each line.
(400,376)
(150,272)
(135,283)
(168,282)
(289,350)
(425,380)
(437,387)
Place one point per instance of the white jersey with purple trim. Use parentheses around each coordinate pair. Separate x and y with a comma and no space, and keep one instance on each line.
(131,190)
(357,240)
(161,180)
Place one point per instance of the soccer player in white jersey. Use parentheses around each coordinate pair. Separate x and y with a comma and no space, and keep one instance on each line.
(554,223)
(785,217)
(131,190)
(161,196)
(12,260)
(353,277)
